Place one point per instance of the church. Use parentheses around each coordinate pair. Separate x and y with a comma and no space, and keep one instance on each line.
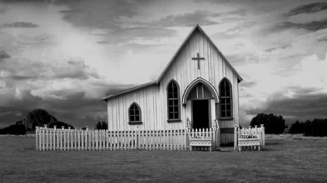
(198,88)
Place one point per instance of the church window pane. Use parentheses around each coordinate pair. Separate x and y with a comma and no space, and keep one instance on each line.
(134,113)
(225,89)
(173,101)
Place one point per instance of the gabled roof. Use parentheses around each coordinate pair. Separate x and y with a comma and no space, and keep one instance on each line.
(197,27)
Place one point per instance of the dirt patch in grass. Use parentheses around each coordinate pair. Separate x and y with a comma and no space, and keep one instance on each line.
(282,160)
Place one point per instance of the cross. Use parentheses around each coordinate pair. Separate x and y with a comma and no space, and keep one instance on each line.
(198,58)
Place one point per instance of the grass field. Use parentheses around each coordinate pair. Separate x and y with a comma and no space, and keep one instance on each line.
(291,159)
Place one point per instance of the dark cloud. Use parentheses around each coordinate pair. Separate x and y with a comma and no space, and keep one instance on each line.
(311,26)
(97,13)
(75,109)
(187,19)
(308,8)
(3,55)
(322,39)
(26,39)
(26,1)
(136,32)
(304,104)
(20,25)
(248,84)
(73,69)
(251,6)
(277,48)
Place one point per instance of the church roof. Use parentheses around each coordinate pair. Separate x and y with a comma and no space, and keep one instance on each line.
(197,27)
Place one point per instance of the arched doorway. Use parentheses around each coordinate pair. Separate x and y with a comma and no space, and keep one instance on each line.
(200,102)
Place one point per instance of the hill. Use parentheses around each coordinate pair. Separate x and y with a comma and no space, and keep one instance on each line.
(40,117)
(37,117)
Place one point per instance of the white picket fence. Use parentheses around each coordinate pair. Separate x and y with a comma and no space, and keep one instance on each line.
(249,137)
(74,139)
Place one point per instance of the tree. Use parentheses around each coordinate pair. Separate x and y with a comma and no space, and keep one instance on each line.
(101,125)
(15,129)
(273,124)
(307,128)
(296,128)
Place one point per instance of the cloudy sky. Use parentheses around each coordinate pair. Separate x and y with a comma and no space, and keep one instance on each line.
(65,55)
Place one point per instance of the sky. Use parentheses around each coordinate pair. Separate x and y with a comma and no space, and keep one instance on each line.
(64,56)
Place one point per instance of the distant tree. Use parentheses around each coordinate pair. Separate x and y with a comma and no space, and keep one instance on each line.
(319,127)
(15,129)
(60,124)
(101,125)
(297,128)
(307,128)
(273,124)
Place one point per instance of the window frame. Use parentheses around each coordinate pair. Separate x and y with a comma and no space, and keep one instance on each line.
(178,119)
(225,97)
(134,115)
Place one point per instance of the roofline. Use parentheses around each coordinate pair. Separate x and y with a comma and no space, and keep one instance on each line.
(176,53)
(197,27)
(215,47)
(129,90)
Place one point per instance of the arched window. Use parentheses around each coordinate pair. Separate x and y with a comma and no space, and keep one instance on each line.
(134,113)
(173,101)
(225,91)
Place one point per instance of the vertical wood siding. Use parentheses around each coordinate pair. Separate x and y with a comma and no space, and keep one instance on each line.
(153,99)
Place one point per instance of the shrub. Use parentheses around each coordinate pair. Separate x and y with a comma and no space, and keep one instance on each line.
(273,124)
(101,125)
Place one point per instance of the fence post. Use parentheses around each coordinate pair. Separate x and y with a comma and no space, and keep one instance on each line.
(54,139)
(36,138)
(235,137)
(263,135)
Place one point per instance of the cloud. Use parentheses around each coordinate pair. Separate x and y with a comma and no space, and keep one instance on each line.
(3,55)
(311,26)
(277,48)
(72,69)
(97,13)
(135,34)
(20,25)
(29,39)
(75,108)
(303,104)
(308,8)
(187,19)
(248,84)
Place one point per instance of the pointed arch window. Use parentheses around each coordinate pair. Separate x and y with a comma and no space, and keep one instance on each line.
(134,113)
(225,90)
(173,102)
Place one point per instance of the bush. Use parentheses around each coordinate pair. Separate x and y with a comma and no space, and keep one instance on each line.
(273,124)
(101,125)
(16,129)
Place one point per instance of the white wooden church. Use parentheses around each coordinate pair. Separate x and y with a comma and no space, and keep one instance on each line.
(197,88)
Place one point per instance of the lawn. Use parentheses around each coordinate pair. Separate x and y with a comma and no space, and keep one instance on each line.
(291,159)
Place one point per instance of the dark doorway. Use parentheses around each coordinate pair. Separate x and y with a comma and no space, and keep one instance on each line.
(200,113)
